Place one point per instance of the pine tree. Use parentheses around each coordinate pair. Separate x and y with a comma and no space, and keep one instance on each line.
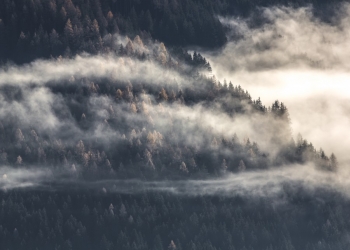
(68,33)
(172,246)
(333,162)
(241,166)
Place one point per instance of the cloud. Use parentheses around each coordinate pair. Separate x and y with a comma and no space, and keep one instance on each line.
(86,66)
(58,115)
(300,60)
(11,178)
(259,63)
(34,107)
(276,184)
(200,122)
(290,38)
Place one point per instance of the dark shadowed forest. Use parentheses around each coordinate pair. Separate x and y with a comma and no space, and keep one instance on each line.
(114,135)
(41,29)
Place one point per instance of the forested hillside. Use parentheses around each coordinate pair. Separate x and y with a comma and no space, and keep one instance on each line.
(114,136)
(76,131)
(129,128)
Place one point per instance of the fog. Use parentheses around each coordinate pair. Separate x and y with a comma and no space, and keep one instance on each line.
(37,104)
(275,184)
(11,178)
(299,60)
(85,66)
(294,58)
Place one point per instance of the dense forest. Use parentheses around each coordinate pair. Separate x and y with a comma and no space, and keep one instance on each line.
(114,136)
(41,28)
(147,123)
(97,220)
(120,130)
